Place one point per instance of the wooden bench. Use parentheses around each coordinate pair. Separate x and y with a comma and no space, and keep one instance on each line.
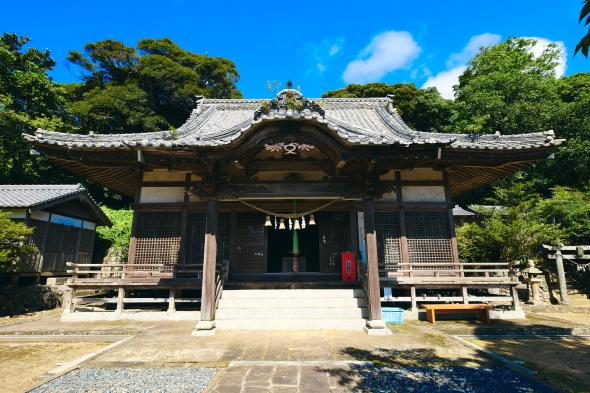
(482,310)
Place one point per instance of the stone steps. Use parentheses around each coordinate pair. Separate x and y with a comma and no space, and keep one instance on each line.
(291,293)
(298,309)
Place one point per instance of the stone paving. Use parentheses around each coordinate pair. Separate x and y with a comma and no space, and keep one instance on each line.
(319,360)
(276,379)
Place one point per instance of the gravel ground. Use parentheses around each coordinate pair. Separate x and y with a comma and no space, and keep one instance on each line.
(443,380)
(130,380)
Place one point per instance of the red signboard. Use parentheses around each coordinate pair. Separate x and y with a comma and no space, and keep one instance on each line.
(348,266)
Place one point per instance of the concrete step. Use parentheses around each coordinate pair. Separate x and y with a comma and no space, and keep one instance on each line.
(290,324)
(297,302)
(291,293)
(291,313)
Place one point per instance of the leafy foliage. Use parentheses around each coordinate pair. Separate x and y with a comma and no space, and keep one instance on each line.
(28,99)
(148,88)
(13,242)
(507,88)
(584,43)
(514,231)
(423,109)
(116,237)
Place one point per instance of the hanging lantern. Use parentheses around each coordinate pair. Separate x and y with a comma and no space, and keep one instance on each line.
(276,225)
(267,223)
(282,224)
(303,222)
(290,224)
(311,220)
(296,225)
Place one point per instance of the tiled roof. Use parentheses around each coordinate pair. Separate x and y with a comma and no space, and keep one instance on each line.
(458,211)
(362,121)
(30,196)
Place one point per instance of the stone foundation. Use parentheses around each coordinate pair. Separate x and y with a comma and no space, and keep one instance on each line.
(20,300)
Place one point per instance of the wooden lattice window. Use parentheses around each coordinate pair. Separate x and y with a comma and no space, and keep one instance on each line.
(158,238)
(223,238)
(195,241)
(334,230)
(251,244)
(429,239)
(387,226)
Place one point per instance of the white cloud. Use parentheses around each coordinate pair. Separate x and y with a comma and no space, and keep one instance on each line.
(445,80)
(542,44)
(335,48)
(457,63)
(472,47)
(318,54)
(387,52)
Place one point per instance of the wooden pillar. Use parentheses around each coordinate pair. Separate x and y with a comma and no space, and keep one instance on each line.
(403,238)
(515,301)
(454,248)
(561,277)
(120,301)
(465,295)
(413,299)
(172,300)
(375,324)
(134,223)
(68,304)
(207,322)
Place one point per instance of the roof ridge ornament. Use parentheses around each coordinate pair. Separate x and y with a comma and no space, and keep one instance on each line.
(289,100)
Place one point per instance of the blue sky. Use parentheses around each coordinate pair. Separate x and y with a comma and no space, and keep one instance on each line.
(318,45)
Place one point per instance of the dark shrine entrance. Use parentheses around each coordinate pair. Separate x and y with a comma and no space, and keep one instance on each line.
(266,250)
(280,250)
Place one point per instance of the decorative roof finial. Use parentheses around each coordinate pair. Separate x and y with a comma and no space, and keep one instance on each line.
(289,84)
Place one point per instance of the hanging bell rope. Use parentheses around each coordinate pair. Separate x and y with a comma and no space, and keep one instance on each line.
(287,215)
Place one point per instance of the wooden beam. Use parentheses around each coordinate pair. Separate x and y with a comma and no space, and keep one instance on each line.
(209,263)
(301,190)
(374,289)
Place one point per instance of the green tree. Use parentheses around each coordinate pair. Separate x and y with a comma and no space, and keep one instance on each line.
(584,43)
(116,238)
(572,123)
(508,89)
(28,99)
(13,242)
(148,88)
(514,231)
(422,109)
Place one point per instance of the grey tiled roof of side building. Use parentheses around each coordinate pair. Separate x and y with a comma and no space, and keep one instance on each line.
(360,121)
(34,195)
(31,195)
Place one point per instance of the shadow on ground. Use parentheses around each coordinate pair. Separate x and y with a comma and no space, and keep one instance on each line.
(421,370)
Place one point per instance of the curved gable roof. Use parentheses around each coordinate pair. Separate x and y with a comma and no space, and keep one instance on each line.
(357,121)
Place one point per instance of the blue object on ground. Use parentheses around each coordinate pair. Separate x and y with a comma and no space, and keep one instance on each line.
(387,294)
(392,315)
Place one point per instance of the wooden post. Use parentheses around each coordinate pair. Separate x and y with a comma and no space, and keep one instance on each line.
(172,300)
(413,299)
(68,301)
(375,324)
(465,295)
(561,277)
(515,301)
(207,323)
(120,301)
(372,262)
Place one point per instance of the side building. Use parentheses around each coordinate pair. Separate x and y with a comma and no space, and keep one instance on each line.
(64,218)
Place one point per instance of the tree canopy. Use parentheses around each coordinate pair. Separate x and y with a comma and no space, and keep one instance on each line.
(584,43)
(507,88)
(147,88)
